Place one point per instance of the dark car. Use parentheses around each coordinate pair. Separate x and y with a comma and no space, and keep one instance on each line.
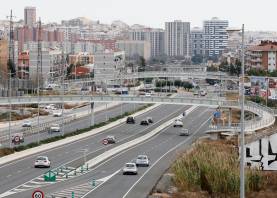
(149,119)
(130,120)
(144,122)
(110,139)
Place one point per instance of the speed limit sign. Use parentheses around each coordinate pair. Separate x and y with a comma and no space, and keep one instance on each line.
(38,194)
(105,142)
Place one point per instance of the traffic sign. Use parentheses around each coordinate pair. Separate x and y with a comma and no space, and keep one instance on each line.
(17,139)
(50,176)
(105,142)
(38,194)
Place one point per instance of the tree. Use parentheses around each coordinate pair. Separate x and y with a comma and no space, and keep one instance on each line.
(142,63)
(11,67)
(197,59)
(177,83)
(187,85)
(69,70)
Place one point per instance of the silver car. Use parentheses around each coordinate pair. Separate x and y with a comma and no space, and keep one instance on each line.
(130,168)
(142,160)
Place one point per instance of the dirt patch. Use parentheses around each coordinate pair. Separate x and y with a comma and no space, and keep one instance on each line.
(5,151)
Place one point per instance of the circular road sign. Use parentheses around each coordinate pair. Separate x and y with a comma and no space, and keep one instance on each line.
(17,139)
(38,194)
(105,142)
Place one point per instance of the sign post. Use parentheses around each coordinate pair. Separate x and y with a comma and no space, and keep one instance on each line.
(38,194)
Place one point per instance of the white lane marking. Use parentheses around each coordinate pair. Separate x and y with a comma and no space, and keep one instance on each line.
(103,180)
(172,149)
(8,176)
(77,141)
(191,109)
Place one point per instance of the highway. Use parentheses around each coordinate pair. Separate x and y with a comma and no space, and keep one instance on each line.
(21,171)
(83,122)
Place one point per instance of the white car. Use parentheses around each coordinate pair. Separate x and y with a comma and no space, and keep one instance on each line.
(147,94)
(55,128)
(142,160)
(178,123)
(57,114)
(27,124)
(130,168)
(42,161)
(184,132)
(51,107)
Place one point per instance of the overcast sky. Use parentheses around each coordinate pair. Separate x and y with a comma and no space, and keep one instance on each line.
(256,15)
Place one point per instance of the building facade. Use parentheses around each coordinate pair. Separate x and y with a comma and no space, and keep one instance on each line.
(81,58)
(154,36)
(4,56)
(108,63)
(197,42)
(29,16)
(262,56)
(135,49)
(177,39)
(215,36)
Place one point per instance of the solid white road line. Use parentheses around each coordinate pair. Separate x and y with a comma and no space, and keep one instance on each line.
(172,149)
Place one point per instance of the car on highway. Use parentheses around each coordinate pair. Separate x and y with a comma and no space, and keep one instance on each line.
(147,94)
(42,162)
(55,128)
(130,120)
(184,132)
(51,107)
(142,160)
(57,114)
(17,138)
(144,122)
(178,123)
(130,168)
(149,119)
(27,124)
(110,139)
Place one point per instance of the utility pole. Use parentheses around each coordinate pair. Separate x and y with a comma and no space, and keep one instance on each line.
(242,152)
(63,64)
(39,73)
(11,71)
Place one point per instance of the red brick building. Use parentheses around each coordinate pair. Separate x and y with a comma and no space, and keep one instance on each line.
(262,56)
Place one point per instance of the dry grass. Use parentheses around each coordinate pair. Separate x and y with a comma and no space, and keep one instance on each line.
(213,167)
(232,96)
(5,151)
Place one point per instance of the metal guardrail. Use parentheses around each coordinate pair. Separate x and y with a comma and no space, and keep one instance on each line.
(157,74)
(37,129)
(252,125)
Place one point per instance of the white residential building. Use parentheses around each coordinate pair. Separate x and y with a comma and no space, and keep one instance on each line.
(154,36)
(108,63)
(177,39)
(197,41)
(215,36)
(134,49)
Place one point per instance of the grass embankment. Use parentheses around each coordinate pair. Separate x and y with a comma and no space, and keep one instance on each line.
(213,167)
(7,151)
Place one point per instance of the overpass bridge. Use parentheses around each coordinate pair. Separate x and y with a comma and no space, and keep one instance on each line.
(155,74)
(265,115)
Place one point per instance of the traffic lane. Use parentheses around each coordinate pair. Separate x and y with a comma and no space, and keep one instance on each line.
(160,143)
(69,152)
(84,122)
(48,118)
(168,139)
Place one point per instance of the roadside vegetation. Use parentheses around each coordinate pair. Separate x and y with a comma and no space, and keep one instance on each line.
(213,168)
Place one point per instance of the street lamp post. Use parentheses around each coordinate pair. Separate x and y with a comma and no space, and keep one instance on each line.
(242,149)
(10,112)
